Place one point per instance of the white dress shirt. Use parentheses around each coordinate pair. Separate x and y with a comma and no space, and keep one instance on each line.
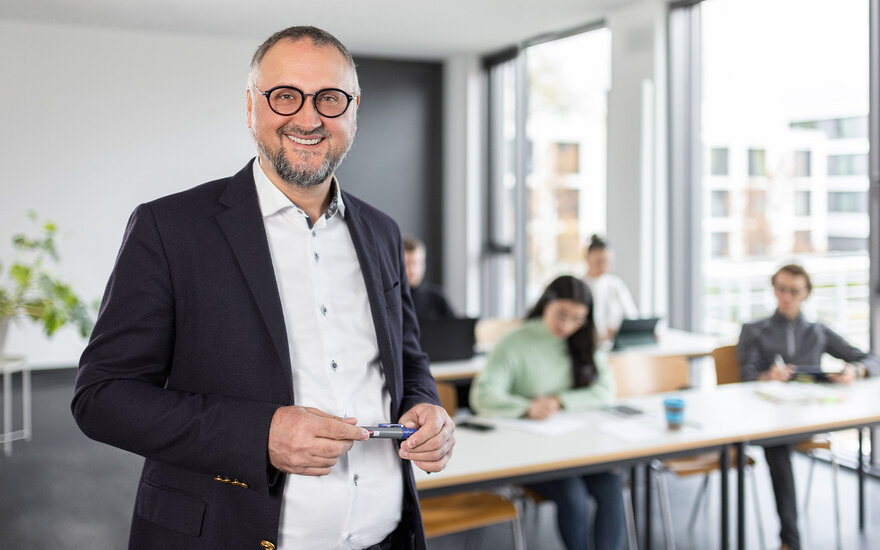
(335,359)
(612,302)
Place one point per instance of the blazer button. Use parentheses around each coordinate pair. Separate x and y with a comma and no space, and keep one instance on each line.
(267,545)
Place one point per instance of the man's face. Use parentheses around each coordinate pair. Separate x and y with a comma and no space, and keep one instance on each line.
(791,291)
(415,266)
(305,148)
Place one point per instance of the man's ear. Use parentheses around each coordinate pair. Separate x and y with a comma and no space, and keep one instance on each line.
(249,102)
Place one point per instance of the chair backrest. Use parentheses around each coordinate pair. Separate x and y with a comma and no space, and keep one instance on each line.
(488,331)
(448,397)
(641,374)
(726,365)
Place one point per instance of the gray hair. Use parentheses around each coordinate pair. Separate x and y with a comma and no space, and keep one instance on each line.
(318,37)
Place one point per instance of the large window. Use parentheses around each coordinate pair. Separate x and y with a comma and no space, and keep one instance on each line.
(786,104)
(547,105)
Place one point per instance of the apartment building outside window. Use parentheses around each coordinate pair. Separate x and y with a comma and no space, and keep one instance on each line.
(547,155)
(793,154)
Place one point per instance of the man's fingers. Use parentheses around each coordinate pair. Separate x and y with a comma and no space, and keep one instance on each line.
(333,427)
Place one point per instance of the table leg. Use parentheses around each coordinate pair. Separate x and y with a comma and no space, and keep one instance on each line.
(725,526)
(741,496)
(648,483)
(26,403)
(861,470)
(634,495)
(7,413)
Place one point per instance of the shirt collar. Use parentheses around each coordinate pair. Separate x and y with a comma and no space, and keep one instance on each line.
(272,200)
(782,319)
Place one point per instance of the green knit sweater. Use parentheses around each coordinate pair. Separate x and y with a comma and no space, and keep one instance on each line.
(528,362)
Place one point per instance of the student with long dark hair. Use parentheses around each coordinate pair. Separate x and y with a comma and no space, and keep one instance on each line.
(551,363)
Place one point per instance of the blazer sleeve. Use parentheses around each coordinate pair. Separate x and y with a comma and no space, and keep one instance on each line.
(418,383)
(121,396)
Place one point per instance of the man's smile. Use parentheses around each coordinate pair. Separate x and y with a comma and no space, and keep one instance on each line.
(301,141)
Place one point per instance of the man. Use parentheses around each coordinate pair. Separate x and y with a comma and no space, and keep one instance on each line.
(429,301)
(771,349)
(251,324)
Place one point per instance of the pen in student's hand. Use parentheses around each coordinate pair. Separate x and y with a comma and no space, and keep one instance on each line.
(390,431)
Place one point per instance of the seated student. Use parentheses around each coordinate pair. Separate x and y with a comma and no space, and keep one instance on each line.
(610,294)
(429,301)
(788,335)
(548,364)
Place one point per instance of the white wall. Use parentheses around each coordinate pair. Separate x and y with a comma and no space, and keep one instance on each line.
(636,150)
(462,184)
(96,121)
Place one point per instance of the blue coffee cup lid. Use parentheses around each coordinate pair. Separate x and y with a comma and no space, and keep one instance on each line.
(674,402)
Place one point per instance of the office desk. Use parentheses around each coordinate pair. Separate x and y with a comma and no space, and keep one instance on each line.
(671,342)
(729,415)
(8,366)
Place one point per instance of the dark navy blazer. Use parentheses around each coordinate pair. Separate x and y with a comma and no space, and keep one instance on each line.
(189,360)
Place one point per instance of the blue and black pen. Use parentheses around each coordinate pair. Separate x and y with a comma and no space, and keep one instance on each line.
(390,431)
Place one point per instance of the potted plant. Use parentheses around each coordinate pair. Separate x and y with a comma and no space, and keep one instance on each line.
(28,289)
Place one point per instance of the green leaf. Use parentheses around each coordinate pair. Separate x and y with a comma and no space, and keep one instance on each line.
(21,274)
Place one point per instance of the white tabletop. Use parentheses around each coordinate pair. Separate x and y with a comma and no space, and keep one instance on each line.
(729,414)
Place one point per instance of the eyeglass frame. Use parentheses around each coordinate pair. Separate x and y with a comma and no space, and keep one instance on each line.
(304,95)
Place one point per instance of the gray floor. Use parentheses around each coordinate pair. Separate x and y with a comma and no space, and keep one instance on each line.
(63,491)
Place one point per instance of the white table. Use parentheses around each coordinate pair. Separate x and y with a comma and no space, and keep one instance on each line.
(732,414)
(8,366)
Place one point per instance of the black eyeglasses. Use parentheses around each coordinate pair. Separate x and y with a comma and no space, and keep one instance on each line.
(287,100)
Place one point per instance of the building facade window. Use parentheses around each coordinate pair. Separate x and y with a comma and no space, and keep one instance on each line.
(718,161)
(848,165)
(848,202)
(757,165)
(802,165)
(802,206)
(720,203)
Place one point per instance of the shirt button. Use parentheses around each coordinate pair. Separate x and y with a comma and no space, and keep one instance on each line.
(324,310)
(316,257)
(348,537)
(314,233)
(333,365)
(356,478)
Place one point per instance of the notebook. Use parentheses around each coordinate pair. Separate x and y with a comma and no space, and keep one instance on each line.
(448,339)
(636,332)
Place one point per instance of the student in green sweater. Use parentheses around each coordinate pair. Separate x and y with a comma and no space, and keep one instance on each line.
(547,365)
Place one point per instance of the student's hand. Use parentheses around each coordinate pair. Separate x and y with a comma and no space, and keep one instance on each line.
(778,372)
(430,448)
(846,376)
(308,441)
(543,407)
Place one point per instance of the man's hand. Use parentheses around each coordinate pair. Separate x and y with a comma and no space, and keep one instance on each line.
(308,441)
(846,376)
(431,446)
(783,373)
(543,407)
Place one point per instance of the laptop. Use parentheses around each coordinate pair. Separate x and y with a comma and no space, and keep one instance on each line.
(448,339)
(636,332)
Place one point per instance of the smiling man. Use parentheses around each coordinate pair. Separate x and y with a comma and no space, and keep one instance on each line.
(252,324)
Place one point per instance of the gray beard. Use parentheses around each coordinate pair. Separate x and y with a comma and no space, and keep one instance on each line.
(301,177)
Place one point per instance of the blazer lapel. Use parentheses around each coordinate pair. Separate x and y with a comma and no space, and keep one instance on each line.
(242,223)
(368,256)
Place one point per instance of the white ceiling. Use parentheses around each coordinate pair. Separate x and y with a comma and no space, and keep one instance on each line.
(421,29)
